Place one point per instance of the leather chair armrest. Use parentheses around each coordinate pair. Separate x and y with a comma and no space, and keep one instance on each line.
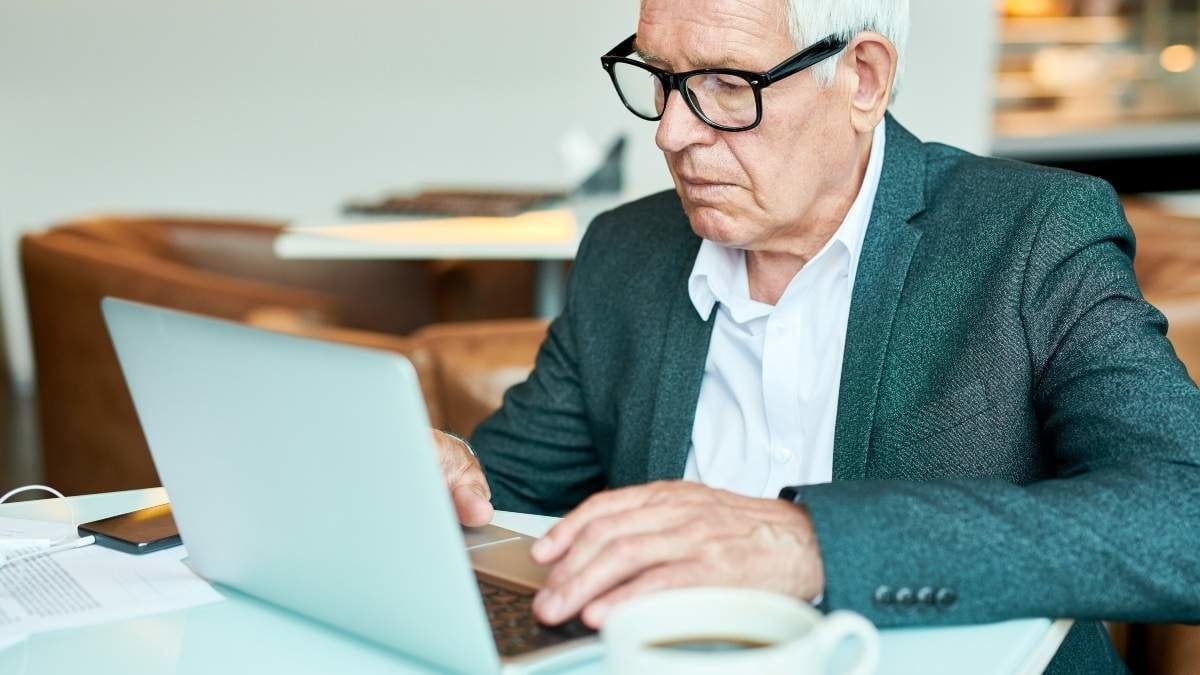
(59,262)
(1172,649)
(476,362)
(1168,250)
(244,250)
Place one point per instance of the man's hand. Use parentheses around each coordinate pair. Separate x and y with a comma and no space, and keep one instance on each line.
(626,542)
(464,477)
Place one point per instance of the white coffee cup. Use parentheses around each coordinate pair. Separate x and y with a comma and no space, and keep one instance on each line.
(731,631)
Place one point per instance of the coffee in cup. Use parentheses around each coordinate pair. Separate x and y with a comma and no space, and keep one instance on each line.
(731,631)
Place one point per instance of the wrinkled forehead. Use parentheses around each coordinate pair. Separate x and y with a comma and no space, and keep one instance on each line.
(688,34)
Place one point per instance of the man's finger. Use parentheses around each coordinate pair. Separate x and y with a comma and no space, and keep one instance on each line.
(592,539)
(464,478)
(471,494)
(620,560)
(661,578)
(472,506)
(558,540)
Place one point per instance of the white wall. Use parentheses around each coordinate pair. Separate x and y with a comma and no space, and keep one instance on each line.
(948,90)
(283,108)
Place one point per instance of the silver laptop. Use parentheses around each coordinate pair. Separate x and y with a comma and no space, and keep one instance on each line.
(303,473)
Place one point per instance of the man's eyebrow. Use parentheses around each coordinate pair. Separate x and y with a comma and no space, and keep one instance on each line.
(652,58)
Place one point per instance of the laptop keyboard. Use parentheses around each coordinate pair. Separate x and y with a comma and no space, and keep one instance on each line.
(515,629)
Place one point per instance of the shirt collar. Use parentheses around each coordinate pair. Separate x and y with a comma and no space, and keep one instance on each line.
(719,273)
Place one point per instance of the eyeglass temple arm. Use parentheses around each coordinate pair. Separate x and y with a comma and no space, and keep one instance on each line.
(625,48)
(805,59)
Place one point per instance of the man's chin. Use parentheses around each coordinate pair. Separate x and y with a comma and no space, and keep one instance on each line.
(714,224)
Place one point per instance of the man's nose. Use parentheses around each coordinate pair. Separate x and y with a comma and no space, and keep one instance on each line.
(680,127)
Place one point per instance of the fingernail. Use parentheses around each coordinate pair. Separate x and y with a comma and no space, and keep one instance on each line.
(551,604)
(540,548)
(594,615)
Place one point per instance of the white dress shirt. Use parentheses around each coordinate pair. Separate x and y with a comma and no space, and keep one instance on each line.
(768,401)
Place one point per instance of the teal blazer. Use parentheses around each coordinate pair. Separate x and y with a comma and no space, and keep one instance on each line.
(1015,435)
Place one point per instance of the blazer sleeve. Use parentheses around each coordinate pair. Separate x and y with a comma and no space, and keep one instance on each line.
(536,449)
(1116,534)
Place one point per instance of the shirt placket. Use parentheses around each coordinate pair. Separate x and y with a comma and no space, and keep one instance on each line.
(782,372)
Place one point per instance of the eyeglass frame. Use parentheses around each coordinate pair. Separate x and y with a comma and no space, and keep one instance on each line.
(798,62)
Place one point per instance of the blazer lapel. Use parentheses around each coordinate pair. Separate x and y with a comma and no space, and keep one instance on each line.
(887,252)
(681,369)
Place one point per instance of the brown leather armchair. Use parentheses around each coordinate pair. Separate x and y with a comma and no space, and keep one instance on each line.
(91,441)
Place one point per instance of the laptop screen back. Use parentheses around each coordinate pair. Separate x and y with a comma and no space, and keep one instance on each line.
(303,473)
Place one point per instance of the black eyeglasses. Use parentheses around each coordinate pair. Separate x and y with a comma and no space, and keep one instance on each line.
(725,98)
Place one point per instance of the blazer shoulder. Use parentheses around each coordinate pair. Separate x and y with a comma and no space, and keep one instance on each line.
(1013,181)
(1012,195)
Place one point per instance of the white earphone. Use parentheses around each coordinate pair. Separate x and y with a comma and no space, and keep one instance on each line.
(65,544)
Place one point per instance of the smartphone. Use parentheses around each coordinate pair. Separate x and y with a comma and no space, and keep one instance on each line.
(141,531)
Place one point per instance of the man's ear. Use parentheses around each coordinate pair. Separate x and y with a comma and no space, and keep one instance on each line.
(871,59)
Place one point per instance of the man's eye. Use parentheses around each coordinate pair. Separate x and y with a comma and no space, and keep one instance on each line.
(730,82)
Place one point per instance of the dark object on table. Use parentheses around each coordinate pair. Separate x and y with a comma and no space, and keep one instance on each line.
(137,532)
(609,177)
(457,202)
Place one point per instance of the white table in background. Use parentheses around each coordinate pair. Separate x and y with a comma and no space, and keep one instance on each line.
(241,635)
(515,238)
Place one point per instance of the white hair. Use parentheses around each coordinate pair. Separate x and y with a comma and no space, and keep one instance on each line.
(813,20)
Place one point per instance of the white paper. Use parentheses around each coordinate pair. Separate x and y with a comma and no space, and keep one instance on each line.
(89,585)
(19,533)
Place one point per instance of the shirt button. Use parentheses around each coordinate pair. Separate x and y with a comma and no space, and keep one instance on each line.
(783,455)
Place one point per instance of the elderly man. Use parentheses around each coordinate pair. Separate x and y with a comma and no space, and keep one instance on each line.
(942,363)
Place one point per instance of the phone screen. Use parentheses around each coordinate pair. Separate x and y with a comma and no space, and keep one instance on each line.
(141,529)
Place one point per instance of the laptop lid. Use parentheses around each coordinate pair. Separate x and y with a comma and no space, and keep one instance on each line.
(303,473)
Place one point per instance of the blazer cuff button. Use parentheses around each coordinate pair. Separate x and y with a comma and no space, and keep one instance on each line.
(926,596)
(946,597)
(884,596)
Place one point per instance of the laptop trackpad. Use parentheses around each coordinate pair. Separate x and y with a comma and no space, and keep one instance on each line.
(488,534)
(508,563)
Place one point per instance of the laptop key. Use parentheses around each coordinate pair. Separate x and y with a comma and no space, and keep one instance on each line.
(514,628)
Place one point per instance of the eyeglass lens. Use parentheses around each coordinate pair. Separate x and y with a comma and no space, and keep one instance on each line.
(726,100)
(722,99)
(641,90)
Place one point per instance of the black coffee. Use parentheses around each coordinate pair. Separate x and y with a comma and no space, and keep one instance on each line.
(709,644)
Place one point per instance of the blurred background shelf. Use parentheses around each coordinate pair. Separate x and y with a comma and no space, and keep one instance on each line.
(1124,140)
(1109,87)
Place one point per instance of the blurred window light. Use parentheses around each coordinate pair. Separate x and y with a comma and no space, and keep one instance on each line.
(1178,58)
(1033,8)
